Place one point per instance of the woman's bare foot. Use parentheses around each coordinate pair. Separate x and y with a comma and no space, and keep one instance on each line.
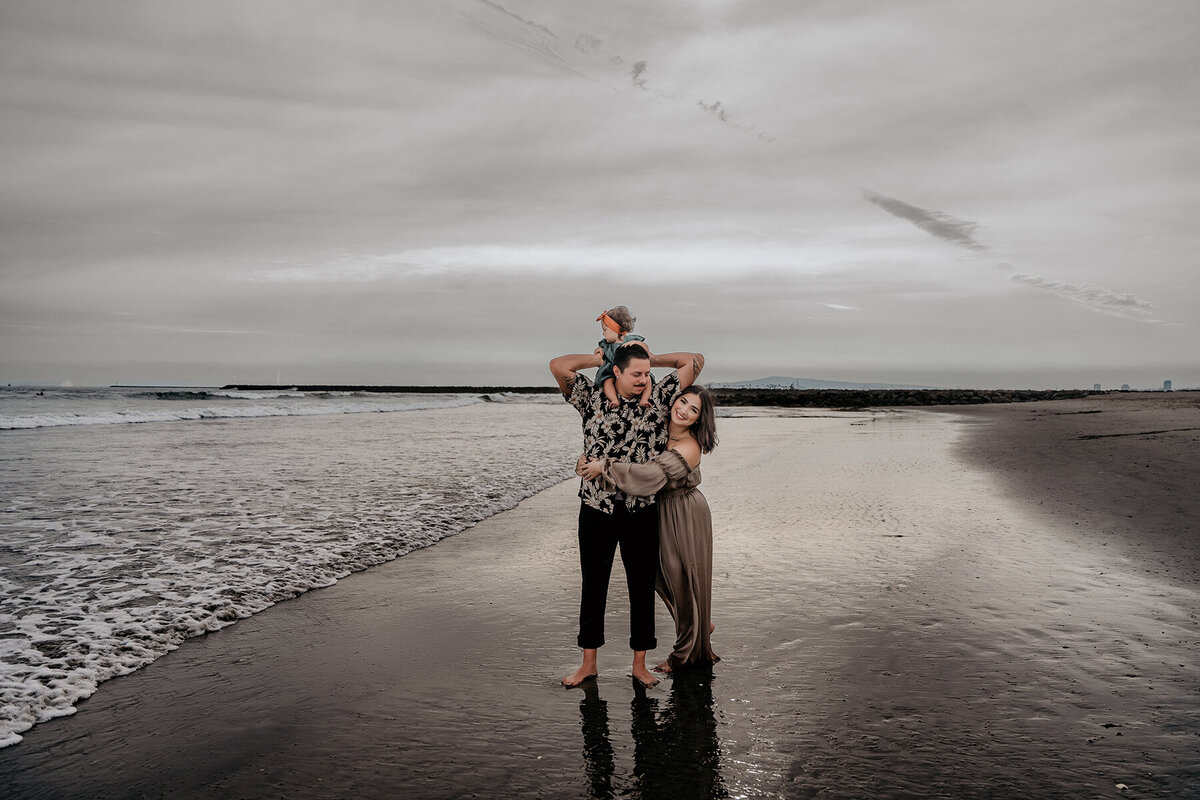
(712,628)
(664,667)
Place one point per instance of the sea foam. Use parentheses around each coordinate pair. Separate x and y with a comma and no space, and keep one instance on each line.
(119,543)
(178,406)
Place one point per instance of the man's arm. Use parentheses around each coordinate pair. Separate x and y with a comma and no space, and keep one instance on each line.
(688,364)
(564,368)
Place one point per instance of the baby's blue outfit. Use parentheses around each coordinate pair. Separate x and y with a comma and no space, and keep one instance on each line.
(610,354)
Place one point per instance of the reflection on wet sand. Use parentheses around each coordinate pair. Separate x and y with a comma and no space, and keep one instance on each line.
(675,749)
(598,762)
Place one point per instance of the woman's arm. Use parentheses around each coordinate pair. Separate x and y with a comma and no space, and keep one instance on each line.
(641,480)
(589,468)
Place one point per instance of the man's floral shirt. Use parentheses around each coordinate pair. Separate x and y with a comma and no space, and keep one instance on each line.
(629,433)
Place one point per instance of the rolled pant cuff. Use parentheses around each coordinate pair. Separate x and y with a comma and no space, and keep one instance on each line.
(644,644)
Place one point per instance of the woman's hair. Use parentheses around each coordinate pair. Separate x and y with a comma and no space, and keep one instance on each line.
(705,427)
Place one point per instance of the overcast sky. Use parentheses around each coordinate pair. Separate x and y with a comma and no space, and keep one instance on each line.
(947,193)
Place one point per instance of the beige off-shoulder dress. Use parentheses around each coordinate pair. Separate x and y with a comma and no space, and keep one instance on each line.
(684,549)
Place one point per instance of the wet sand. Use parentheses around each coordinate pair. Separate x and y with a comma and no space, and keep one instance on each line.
(1122,467)
(910,604)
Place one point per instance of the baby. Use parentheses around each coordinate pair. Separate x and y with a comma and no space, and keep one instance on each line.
(616,324)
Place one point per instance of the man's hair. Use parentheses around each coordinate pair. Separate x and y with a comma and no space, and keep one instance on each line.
(627,353)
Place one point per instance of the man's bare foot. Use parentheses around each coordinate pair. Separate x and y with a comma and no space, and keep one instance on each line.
(584,673)
(644,676)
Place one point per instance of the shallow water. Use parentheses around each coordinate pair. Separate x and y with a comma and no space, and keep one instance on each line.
(117,542)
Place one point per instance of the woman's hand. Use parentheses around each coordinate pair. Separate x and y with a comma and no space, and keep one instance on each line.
(580,464)
(592,469)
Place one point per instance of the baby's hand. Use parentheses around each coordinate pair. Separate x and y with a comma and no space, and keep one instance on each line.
(640,343)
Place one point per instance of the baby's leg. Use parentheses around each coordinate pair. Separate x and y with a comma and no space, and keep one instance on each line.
(610,391)
(645,401)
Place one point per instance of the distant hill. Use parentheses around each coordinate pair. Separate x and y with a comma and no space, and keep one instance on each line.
(781,382)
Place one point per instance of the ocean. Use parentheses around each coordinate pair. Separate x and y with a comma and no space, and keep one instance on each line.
(133,519)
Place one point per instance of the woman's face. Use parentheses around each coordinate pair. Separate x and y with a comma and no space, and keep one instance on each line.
(686,409)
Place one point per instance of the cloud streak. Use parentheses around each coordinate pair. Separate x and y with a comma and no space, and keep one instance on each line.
(1097,298)
(672,259)
(961,233)
(586,57)
(950,229)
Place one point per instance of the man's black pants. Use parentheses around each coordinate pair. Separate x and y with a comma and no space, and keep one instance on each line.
(636,532)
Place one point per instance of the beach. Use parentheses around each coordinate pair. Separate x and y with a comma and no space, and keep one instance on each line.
(990,602)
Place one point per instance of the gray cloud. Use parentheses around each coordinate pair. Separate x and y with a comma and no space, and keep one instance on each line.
(586,43)
(714,108)
(518,17)
(962,232)
(1097,298)
(721,113)
(540,41)
(956,231)
(515,30)
(639,69)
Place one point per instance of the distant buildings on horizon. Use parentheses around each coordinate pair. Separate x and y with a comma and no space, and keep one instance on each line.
(1167,387)
(783,382)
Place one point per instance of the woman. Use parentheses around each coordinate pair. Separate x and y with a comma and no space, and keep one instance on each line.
(685,523)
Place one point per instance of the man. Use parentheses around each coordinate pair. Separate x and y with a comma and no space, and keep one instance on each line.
(610,519)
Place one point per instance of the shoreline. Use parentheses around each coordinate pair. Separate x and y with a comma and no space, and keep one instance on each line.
(841,398)
(890,625)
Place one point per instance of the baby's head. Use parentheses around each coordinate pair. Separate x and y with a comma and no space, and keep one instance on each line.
(615,323)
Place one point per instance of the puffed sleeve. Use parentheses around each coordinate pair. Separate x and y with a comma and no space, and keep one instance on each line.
(644,480)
